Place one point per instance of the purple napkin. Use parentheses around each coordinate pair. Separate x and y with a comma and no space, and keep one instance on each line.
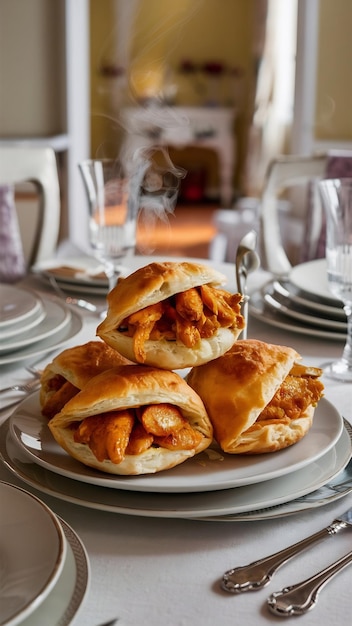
(12,262)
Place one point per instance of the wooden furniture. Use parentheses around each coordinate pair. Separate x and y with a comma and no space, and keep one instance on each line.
(211,128)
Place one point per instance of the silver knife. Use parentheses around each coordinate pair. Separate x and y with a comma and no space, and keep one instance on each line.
(259,573)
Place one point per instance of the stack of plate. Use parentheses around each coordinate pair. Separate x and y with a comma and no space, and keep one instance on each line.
(31,325)
(302,303)
(44,566)
(76,275)
(212,485)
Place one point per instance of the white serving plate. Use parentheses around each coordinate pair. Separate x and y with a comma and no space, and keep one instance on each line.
(32,553)
(16,305)
(200,473)
(54,341)
(178,505)
(57,317)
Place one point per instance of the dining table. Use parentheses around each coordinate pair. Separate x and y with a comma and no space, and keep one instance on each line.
(155,569)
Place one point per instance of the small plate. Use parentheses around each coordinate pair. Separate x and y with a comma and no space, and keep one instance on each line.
(54,341)
(16,305)
(33,320)
(85,271)
(177,505)
(200,473)
(65,600)
(57,317)
(278,303)
(311,277)
(259,310)
(297,297)
(32,553)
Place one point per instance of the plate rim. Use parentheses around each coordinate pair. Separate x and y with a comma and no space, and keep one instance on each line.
(23,316)
(56,570)
(68,332)
(155,483)
(273,320)
(53,328)
(61,492)
(325,294)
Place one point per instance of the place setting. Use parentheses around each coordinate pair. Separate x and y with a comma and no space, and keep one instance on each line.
(45,571)
(33,324)
(205,480)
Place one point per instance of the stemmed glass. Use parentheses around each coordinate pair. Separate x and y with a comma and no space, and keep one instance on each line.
(336,197)
(112,214)
(118,194)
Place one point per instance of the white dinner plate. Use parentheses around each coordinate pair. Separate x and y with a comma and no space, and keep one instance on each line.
(65,600)
(278,303)
(177,505)
(54,341)
(259,310)
(88,284)
(33,320)
(32,553)
(16,305)
(200,473)
(57,317)
(311,277)
(297,297)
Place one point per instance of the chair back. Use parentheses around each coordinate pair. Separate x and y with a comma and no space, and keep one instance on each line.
(20,164)
(283,173)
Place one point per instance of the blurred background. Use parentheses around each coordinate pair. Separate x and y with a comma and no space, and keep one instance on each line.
(277,74)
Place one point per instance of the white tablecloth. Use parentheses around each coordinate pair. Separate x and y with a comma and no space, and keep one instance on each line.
(159,572)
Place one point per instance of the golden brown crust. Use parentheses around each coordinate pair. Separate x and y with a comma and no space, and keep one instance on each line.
(77,366)
(238,386)
(149,286)
(128,387)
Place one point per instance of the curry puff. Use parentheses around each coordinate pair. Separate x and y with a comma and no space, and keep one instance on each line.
(258,396)
(172,315)
(71,370)
(133,419)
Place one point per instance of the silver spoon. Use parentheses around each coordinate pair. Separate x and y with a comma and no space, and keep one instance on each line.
(247,244)
(247,261)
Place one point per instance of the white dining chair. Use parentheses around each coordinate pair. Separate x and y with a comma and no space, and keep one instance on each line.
(39,231)
(284,173)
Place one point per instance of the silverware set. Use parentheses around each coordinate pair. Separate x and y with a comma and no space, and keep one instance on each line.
(295,599)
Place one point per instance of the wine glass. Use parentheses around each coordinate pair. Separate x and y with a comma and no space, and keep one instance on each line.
(112,214)
(336,197)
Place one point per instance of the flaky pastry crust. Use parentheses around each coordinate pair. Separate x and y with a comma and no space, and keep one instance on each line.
(130,387)
(237,390)
(156,283)
(75,367)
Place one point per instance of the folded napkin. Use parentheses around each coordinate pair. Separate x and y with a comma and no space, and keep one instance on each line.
(12,262)
(339,165)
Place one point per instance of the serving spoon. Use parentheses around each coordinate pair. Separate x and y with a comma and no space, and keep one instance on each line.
(247,261)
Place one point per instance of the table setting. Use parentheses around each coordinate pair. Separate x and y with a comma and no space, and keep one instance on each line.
(158,548)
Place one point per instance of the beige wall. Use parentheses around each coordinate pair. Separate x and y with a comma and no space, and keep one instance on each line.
(334,76)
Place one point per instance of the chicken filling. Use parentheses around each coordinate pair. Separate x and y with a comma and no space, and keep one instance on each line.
(112,436)
(59,391)
(300,389)
(189,317)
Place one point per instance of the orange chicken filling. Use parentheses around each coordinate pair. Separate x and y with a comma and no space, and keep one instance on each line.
(61,392)
(133,431)
(189,317)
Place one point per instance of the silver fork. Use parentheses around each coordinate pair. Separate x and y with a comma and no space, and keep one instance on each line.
(25,387)
(98,310)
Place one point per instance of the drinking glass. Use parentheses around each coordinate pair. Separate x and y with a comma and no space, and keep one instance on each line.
(112,214)
(336,197)
(118,194)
